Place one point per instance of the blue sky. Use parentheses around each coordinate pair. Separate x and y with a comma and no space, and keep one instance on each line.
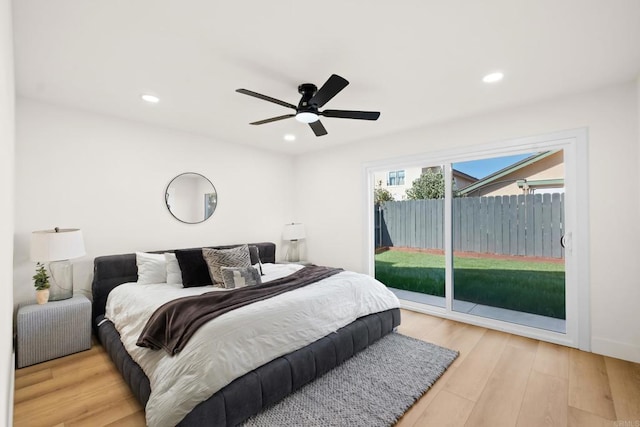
(481,168)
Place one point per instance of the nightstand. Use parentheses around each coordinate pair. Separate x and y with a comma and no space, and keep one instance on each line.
(52,330)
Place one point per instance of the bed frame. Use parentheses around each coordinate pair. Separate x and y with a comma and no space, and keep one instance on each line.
(254,391)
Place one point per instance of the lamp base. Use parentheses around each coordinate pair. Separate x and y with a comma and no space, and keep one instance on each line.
(292,254)
(61,280)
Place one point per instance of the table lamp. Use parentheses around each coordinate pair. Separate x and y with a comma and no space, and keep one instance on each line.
(293,232)
(57,247)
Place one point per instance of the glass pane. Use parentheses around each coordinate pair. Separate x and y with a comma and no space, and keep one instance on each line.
(410,235)
(507,220)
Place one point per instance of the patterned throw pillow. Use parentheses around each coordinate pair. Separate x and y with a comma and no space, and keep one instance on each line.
(218,258)
(239,277)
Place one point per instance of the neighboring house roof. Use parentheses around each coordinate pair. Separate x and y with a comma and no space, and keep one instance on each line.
(495,177)
(457,173)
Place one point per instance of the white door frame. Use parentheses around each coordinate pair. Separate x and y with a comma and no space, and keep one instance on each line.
(574,143)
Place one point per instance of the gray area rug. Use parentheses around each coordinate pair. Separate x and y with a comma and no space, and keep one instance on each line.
(373,388)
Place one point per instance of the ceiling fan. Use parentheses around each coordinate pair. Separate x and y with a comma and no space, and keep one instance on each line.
(312,99)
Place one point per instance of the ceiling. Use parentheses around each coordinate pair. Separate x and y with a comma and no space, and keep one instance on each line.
(419,62)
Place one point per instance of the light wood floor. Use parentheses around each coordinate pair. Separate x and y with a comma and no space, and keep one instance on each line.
(498,380)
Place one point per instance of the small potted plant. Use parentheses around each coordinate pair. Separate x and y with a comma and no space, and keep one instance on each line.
(41,282)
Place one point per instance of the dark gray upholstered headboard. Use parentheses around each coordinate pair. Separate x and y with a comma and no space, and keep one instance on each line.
(113,270)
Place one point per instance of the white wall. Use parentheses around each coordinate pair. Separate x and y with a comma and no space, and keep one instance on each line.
(108,177)
(336,236)
(6,214)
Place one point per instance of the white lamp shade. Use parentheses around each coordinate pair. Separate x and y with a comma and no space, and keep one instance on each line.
(52,245)
(293,231)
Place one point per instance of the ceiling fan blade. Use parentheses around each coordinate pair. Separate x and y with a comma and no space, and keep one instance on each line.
(347,114)
(329,89)
(317,128)
(272,119)
(265,97)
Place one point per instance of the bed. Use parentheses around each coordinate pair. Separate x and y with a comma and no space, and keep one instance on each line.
(269,376)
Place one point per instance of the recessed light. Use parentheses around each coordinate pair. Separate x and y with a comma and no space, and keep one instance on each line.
(493,77)
(289,137)
(152,99)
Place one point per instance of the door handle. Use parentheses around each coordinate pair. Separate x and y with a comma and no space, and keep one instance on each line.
(566,241)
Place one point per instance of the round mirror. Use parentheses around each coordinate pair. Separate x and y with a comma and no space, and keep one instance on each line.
(191,198)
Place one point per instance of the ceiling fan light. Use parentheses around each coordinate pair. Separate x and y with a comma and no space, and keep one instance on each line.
(306,117)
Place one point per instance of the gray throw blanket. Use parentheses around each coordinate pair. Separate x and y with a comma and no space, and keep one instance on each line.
(172,325)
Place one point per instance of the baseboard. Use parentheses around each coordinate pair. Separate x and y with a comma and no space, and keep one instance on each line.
(616,349)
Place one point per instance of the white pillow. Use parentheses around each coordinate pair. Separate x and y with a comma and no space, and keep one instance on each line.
(152,268)
(174,274)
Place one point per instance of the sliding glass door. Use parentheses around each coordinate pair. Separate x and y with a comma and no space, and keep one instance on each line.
(498,246)
(507,230)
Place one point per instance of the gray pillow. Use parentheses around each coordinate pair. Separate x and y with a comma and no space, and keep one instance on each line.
(239,277)
(218,258)
(254,253)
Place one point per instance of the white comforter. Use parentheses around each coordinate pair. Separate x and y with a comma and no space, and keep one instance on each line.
(241,340)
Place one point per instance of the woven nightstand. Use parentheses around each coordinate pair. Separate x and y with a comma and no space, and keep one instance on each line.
(52,330)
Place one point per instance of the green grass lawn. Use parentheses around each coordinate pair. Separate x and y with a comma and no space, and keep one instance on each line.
(531,287)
